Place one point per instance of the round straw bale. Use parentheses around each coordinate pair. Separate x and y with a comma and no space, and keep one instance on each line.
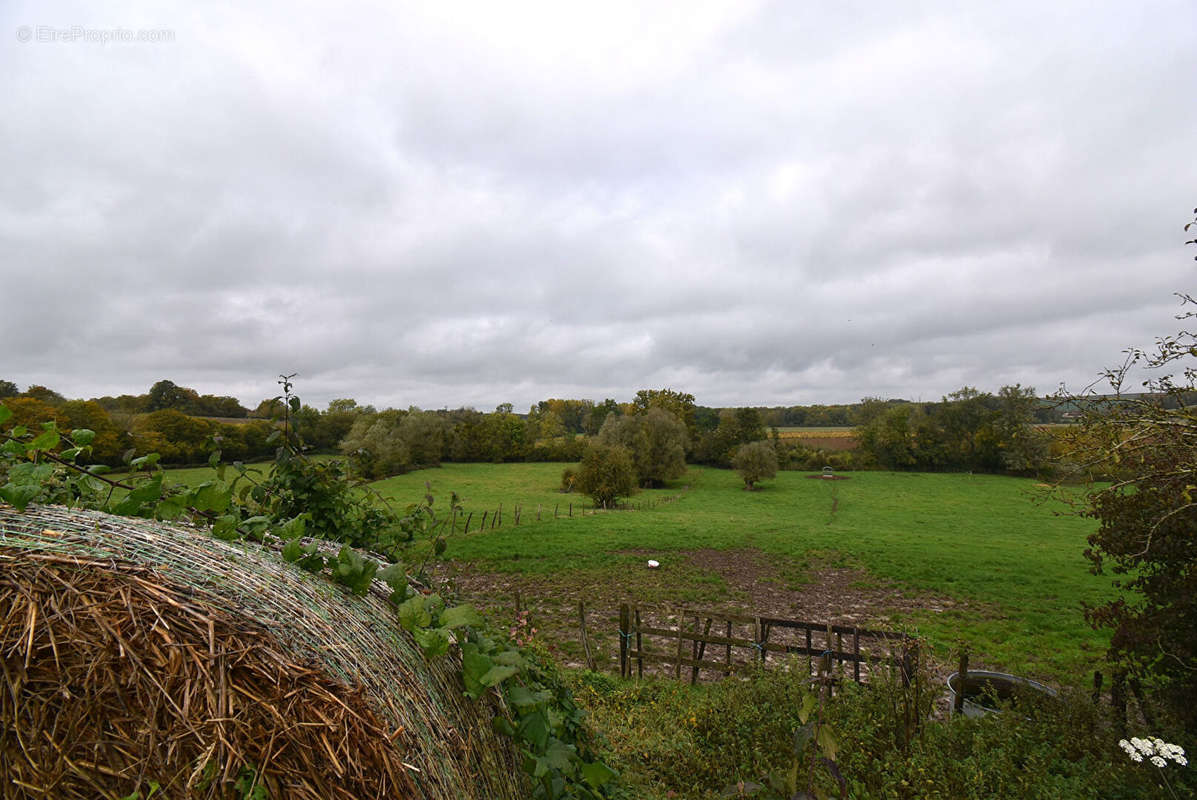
(137,653)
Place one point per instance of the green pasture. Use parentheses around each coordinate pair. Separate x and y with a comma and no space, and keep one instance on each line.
(999,545)
(1008,554)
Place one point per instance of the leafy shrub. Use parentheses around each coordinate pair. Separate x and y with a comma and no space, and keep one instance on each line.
(755,462)
(606,473)
(672,740)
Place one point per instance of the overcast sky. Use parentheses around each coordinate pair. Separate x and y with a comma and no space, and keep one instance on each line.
(444,204)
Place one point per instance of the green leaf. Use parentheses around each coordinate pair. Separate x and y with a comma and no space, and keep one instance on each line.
(598,774)
(19,496)
(395,576)
(827,742)
(30,474)
(433,641)
(212,496)
(293,528)
(474,665)
(99,469)
(808,705)
(503,726)
(293,550)
(534,729)
(13,447)
(83,436)
(460,616)
(70,453)
(560,756)
(171,507)
(413,615)
(45,441)
(145,462)
(226,527)
(521,698)
(497,674)
(511,658)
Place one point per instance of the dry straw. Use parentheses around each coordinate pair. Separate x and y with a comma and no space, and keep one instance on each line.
(135,652)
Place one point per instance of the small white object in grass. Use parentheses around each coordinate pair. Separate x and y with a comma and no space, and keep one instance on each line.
(652,564)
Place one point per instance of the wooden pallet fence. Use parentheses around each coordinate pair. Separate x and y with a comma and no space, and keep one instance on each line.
(712,640)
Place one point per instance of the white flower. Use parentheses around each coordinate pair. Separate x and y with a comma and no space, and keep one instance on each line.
(1155,749)
(653,564)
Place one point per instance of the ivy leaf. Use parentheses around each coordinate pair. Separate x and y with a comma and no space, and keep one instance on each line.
(597,774)
(460,616)
(433,641)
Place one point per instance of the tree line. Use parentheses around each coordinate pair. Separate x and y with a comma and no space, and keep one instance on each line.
(967,430)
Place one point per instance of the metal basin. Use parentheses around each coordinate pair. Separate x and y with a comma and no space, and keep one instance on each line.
(985,692)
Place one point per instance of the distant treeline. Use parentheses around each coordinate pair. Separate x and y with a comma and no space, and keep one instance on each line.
(966,430)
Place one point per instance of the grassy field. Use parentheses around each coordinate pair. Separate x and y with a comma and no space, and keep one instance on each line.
(986,560)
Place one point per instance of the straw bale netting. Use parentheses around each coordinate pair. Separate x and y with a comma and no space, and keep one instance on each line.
(135,651)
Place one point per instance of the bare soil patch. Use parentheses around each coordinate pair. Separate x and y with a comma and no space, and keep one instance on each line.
(742,581)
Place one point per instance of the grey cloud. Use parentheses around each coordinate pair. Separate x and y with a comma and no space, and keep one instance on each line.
(437,206)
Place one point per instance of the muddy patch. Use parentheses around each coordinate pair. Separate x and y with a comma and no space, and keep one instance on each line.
(743,581)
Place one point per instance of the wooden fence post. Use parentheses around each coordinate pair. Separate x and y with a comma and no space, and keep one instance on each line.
(467,525)
(677,665)
(625,631)
(585,638)
(700,648)
(639,645)
(856,654)
(1118,700)
(729,633)
(483,526)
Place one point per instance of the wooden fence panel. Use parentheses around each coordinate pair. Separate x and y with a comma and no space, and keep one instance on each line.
(825,646)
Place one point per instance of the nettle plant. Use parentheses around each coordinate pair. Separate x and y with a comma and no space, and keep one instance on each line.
(297,506)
